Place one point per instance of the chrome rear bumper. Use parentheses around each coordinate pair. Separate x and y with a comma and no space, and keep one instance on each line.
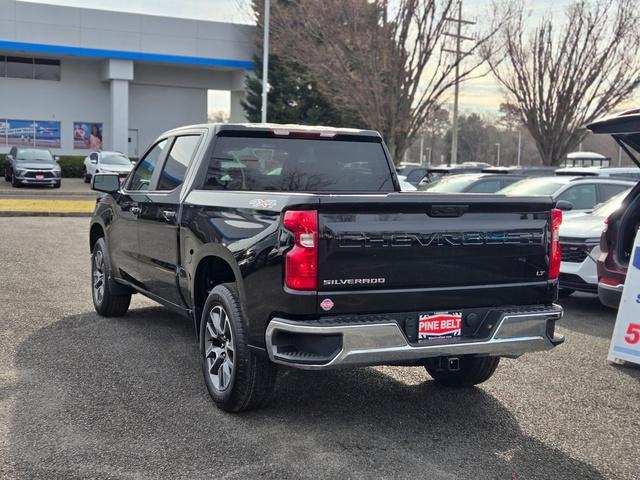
(367,343)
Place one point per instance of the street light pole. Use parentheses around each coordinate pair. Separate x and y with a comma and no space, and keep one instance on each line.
(456,92)
(421,150)
(519,145)
(265,60)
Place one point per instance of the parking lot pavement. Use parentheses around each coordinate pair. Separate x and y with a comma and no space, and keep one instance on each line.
(88,397)
(70,188)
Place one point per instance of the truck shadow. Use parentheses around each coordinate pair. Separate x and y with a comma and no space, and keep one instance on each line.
(124,397)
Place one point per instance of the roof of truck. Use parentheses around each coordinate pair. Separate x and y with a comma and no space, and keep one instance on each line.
(280,129)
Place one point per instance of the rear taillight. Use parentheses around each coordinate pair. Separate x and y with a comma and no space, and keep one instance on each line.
(555,256)
(301,262)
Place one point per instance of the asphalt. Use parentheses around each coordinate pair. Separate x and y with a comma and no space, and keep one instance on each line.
(70,189)
(88,397)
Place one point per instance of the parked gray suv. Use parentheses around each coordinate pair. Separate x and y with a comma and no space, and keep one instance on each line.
(32,166)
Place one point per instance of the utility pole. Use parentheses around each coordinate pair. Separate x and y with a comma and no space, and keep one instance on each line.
(459,21)
(519,145)
(265,60)
(498,155)
(421,162)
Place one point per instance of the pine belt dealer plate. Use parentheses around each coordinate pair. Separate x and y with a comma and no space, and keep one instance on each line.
(439,325)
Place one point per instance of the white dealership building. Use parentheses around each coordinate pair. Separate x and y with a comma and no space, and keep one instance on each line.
(76,79)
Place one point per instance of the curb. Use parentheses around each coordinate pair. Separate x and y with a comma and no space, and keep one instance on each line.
(45,214)
(48,193)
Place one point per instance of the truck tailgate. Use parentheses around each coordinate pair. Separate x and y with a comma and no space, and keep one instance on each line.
(398,252)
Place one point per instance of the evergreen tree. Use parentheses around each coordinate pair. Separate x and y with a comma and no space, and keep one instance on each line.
(293,97)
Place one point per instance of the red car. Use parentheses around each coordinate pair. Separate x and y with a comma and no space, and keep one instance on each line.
(617,240)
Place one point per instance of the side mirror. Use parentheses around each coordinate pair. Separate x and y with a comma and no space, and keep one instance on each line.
(56,158)
(105,182)
(564,205)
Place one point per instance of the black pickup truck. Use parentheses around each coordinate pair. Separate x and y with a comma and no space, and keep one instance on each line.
(293,245)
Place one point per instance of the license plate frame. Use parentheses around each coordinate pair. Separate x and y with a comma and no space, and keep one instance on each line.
(39,177)
(440,324)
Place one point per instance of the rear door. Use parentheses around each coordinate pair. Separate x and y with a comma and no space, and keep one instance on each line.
(158,222)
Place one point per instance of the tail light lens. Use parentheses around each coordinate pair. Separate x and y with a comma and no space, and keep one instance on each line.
(555,256)
(301,262)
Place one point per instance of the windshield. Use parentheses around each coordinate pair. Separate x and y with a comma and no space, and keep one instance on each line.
(298,165)
(34,155)
(109,159)
(607,208)
(449,184)
(535,186)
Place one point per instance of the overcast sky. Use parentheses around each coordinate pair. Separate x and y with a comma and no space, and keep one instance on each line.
(481,95)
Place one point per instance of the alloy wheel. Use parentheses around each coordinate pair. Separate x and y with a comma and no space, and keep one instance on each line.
(98,276)
(219,348)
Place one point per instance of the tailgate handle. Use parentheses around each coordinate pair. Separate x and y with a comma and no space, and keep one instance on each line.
(447,210)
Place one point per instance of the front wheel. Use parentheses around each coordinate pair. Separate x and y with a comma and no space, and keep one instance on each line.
(235,377)
(7,176)
(105,301)
(86,176)
(14,181)
(471,370)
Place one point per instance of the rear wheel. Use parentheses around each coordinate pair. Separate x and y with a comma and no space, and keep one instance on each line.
(105,301)
(236,378)
(472,370)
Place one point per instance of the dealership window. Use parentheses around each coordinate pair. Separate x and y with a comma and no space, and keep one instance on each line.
(19,67)
(46,69)
(29,67)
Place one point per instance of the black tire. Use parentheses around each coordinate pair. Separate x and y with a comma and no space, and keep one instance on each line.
(473,370)
(87,177)
(7,176)
(565,292)
(57,184)
(14,182)
(251,381)
(107,304)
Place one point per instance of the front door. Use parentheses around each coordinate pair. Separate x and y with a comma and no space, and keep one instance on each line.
(158,224)
(133,144)
(123,237)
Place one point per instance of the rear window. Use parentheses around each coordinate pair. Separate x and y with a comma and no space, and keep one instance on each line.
(298,165)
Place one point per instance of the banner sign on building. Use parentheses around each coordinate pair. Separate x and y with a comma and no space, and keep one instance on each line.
(625,343)
(4,126)
(20,132)
(87,135)
(47,134)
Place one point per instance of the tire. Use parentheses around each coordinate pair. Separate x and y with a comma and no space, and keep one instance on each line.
(7,177)
(473,370)
(565,292)
(86,176)
(14,182)
(105,301)
(236,378)
(57,185)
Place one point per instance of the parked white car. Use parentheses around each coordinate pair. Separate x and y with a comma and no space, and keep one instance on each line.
(580,247)
(106,162)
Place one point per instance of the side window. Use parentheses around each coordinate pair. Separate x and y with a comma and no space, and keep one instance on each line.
(486,186)
(141,178)
(608,191)
(583,197)
(175,167)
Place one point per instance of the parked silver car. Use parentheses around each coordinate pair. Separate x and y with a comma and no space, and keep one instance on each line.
(32,166)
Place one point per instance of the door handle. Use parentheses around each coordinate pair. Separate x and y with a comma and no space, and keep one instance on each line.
(135,211)
(168,214)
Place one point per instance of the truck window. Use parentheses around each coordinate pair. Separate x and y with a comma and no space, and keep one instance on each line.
(141,178)
(175,167)
(298,165)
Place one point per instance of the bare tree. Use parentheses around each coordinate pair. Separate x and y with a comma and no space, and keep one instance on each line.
(562,77)
(384,61)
